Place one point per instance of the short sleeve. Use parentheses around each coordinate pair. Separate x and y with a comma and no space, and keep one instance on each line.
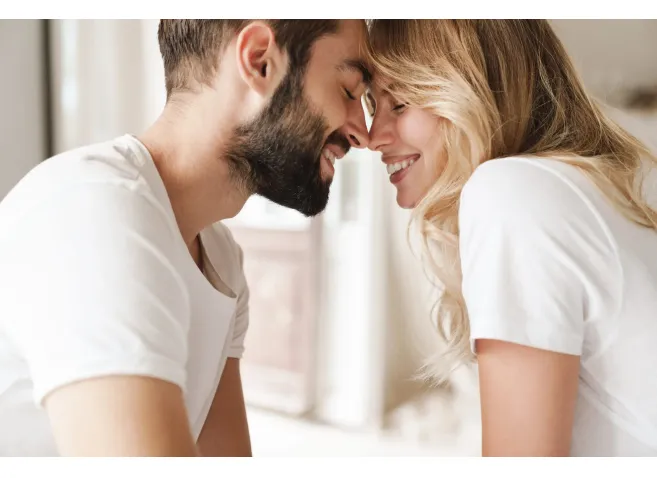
(534,256)
(91,289)
(236,349)
(227,259)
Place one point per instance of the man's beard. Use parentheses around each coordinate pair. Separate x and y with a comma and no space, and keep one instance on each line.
(278,154)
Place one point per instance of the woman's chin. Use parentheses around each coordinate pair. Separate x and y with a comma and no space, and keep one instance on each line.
(405,202)
(409,196)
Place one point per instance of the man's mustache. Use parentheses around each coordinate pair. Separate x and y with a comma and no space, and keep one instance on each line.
(340,140)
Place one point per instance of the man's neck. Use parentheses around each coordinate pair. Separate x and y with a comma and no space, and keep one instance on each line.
(193,169)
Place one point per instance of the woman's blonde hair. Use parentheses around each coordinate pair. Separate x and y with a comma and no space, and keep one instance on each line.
(506,88)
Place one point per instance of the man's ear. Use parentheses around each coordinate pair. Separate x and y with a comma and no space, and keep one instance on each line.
(260,61)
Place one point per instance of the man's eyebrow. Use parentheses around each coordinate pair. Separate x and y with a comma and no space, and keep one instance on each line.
(358,66)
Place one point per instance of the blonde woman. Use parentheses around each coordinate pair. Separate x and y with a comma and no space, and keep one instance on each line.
(537,221)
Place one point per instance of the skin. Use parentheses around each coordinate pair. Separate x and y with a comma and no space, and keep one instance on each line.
(401,133)
(140,416)
(528,399)
(527,395)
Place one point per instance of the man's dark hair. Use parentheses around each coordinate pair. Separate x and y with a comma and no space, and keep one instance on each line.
(191,48)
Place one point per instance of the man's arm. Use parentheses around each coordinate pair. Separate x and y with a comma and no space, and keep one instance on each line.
(528,398)
(226,430)
(120,416)
(106,341)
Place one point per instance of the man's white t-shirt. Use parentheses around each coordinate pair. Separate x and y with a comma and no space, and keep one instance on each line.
(95,279)
(549,263)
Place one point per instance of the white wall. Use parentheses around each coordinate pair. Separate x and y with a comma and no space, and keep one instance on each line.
(611,55)
(22,100)
(107,79)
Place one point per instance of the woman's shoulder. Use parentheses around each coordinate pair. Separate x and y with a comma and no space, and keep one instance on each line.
(534,184)
(527,173)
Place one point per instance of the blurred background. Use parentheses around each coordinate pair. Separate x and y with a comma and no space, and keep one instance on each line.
(340,306)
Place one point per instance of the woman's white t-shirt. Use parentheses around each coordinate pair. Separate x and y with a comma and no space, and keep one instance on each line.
(549,263)
(95,279)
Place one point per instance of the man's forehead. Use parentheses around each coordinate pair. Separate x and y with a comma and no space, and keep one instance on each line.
(345,49)
(357,65)
(352,35)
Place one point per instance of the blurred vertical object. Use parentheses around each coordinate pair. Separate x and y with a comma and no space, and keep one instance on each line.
(106,81)
(24,119)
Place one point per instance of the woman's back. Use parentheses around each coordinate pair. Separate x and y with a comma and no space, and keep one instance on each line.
(561,252)
(616,414)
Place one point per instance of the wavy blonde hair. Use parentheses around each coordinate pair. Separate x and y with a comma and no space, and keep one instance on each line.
(506,88)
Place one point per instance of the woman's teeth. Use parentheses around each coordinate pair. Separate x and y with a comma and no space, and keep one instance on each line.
(328,154)
(394,167)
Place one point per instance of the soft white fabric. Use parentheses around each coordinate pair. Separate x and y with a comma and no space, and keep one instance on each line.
(95,279)
(549,263)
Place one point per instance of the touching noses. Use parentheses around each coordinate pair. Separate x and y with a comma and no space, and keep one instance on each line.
(380,133)
(355,129)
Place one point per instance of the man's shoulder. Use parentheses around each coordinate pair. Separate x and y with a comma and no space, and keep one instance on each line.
(89,192)
(109,174)
(111,163)
(114,161)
